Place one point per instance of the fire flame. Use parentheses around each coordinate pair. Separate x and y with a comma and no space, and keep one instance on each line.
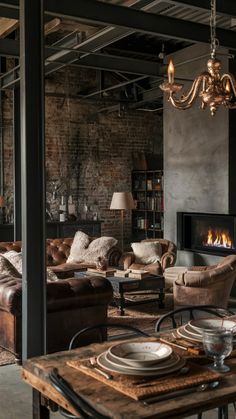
(219,238)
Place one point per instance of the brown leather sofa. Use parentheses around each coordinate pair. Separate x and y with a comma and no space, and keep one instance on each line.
(168,258)
(72,303)
(206,285)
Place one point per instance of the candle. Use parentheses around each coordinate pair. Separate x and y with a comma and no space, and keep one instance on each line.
(227,86)
(171,72)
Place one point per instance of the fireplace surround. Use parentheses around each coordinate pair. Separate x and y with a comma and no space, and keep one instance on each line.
(214,234)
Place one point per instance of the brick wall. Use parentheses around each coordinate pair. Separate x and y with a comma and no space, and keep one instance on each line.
(88,153)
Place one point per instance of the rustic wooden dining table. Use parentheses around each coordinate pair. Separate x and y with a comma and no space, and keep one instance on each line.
(108,400)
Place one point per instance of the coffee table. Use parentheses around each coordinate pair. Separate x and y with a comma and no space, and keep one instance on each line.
(122,285)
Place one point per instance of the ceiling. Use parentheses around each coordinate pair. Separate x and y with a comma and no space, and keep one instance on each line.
(126,41)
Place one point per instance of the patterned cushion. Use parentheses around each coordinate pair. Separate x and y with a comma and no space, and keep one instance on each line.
(6,268)
(15,258)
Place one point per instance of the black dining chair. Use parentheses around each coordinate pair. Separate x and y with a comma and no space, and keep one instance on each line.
(75,399)
(182,315)
(85,410)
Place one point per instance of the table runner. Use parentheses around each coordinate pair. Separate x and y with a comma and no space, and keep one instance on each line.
(135,388)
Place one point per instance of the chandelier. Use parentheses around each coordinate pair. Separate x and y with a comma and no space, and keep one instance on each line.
(212,88)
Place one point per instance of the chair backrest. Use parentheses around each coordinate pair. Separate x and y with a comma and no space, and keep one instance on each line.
(182,315)
(102,335)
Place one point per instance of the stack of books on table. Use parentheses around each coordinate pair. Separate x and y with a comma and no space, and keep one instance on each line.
(105,274)
(132,273)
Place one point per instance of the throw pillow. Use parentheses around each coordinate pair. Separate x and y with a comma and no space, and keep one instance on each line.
(15,258)
(147,252)
(6,268)
(99,248)
(80,243)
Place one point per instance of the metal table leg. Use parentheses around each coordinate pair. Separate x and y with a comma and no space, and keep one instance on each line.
(39,411)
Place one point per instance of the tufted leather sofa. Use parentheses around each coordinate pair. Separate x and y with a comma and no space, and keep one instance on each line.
(72,303)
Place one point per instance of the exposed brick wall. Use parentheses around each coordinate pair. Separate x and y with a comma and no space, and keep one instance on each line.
(88,154)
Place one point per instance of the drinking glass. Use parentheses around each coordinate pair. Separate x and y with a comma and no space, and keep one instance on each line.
(217,344)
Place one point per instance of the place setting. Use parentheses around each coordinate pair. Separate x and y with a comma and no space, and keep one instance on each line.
(142,370)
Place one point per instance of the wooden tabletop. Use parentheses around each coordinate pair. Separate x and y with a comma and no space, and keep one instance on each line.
(111,402)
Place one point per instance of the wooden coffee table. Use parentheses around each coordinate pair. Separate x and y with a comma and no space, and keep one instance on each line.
(120,285)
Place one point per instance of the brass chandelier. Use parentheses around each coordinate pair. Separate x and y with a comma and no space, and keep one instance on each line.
(212,88)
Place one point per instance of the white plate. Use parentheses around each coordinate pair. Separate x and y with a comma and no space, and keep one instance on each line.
(140,354)
(106,364)
(186,335)
(211,323)
(192,331)
(169,362)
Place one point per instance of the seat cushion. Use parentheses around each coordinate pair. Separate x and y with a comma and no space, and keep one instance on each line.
(147,252)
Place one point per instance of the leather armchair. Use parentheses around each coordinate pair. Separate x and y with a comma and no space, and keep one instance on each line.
(168,258)
(206,285)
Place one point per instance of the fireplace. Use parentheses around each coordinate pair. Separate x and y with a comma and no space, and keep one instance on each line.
(206,233)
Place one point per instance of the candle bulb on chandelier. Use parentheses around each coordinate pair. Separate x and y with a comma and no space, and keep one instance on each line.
(171,72)
(227,86)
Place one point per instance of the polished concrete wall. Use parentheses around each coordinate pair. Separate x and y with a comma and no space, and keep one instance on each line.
(196,154)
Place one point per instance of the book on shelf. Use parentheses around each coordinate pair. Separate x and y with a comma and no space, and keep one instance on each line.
(105,274)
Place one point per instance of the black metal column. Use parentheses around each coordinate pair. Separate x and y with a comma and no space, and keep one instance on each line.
(17,164)
(33,178)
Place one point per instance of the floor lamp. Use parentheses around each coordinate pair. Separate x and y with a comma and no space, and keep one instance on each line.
(122,201)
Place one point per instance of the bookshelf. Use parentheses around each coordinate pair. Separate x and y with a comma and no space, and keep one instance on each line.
(148,216)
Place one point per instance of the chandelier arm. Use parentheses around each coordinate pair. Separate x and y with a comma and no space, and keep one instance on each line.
(231,78)
(186,102)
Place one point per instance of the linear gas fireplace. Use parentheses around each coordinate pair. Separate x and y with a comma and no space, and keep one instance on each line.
(206,233)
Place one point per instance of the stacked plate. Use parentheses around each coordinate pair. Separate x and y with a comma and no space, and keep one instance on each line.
(140,358)
(193,330)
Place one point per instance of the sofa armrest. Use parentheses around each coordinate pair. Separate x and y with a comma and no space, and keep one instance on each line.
(167,260)
(126,260)
(113,256)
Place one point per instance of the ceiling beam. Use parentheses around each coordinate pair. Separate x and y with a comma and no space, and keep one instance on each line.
(140,21)
(92,11)
(9,48)
(225,8)
(113,63)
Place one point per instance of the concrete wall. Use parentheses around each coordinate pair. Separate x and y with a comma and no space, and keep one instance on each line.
(196,154)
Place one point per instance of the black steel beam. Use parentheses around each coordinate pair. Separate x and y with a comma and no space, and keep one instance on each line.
(9,48)
(96,12)
(33,178)
(109,63)
(223,7)
(92,11)
(9,12)
(17,164)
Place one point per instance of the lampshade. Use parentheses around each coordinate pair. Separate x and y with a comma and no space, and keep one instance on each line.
(122,201)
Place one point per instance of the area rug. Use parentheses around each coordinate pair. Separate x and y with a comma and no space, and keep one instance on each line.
(6,357)
(143,316)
